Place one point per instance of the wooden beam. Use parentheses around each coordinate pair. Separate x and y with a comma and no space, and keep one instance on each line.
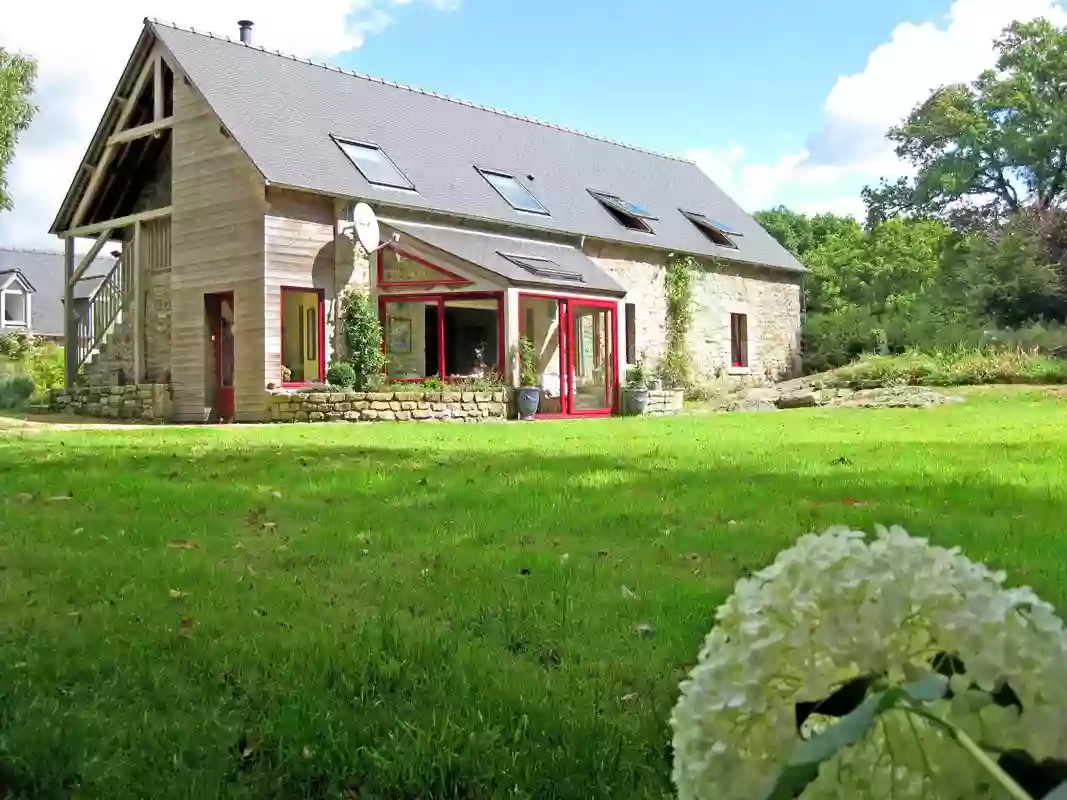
(109,150)
(141,131)
(119,222)
(87,259)
(157,88)
(70,323)
(135,306)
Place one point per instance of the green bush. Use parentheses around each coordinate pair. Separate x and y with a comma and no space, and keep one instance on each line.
(46,365)
(960,367)
(15,390)
(363,339)
(527,362)
(341,373)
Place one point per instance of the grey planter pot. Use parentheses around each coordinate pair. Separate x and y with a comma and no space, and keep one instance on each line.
(636,401)
(527,399)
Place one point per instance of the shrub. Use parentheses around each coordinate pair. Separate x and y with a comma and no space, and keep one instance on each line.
(960,367)
(15,390)
(340,373)
(637,376)
(363,339)
(46,366)
(527,362)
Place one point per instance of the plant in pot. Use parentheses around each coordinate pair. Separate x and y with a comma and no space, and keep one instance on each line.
(637,379)
(528,395)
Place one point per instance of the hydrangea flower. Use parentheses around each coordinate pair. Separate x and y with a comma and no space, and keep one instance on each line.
(837,606)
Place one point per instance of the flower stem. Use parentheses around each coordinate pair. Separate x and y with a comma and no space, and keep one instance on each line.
(990,766)
(976,752)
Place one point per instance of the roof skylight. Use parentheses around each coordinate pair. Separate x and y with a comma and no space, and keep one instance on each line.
(518,196)
(627,213)
(718,232)
(543,267)
(374,165)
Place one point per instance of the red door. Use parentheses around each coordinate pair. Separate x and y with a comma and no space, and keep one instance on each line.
(220,310)
(590,344)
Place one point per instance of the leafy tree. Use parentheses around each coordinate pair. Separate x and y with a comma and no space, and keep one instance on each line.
(987,150)
(17,76)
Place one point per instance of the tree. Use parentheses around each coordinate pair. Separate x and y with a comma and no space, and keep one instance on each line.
(986,150)
(17,76)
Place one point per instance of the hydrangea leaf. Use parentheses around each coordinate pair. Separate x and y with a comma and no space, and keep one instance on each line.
(803,765)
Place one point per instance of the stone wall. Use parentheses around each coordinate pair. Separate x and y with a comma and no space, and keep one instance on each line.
(144,402)
(665,401)
(769,298)
(386,406)
(771,302)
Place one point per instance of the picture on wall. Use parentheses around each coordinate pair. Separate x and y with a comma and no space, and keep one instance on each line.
(399,335)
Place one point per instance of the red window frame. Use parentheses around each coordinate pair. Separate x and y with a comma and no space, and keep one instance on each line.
(739,340)
(321,329)
(448,279)
(441,301)
(566,353)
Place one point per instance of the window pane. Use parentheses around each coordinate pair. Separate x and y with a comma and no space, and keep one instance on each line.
(515,193)
(472,338)
(375,165)
(301,349)
(591,345)
(411,344)
(739,340)
(14,308)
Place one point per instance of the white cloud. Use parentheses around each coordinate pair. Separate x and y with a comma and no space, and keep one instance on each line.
(850,148)
(81,53)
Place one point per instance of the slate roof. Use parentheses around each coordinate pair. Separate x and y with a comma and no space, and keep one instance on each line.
(488,251)
(44,270)
(283,112)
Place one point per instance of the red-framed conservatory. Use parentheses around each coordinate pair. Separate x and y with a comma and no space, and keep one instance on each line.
(439,324)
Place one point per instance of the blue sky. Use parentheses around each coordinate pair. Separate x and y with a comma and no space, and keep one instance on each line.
(780,101)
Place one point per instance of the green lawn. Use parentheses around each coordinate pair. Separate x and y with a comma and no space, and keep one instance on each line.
(443,611)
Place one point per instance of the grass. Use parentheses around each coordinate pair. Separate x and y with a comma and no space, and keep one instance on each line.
(443,611)
(961,367)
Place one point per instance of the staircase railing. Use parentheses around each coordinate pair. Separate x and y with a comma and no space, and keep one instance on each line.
(105,306)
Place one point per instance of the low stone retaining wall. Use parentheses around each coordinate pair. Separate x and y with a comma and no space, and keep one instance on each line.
(146,402)
(665,401)
(386,406)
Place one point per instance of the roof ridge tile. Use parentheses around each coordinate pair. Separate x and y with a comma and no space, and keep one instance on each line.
(426,92)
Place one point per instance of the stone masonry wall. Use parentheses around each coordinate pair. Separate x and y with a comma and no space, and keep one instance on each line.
(770,299)
(144,402)
(665,401)
(386,406)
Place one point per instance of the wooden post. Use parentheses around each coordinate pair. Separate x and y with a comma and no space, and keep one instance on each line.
(70,322)
(157,87)
(135,306)
(342,269)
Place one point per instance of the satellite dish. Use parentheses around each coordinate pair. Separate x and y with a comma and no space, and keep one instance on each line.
(367,230)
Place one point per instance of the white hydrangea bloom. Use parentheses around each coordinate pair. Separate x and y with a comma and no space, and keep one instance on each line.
(835,607)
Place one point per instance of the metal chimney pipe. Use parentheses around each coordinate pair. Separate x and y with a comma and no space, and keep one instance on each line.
(246,30)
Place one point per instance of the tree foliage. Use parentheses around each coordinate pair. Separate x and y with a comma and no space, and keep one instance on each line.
(17,76)
(363,339)
(986,150)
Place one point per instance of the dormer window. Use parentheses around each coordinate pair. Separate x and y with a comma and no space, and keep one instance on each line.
(718,232)
(627,213)
(374,165)
(517,196)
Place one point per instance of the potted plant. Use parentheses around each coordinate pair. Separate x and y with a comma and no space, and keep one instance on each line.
(528,395)
(636,394)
